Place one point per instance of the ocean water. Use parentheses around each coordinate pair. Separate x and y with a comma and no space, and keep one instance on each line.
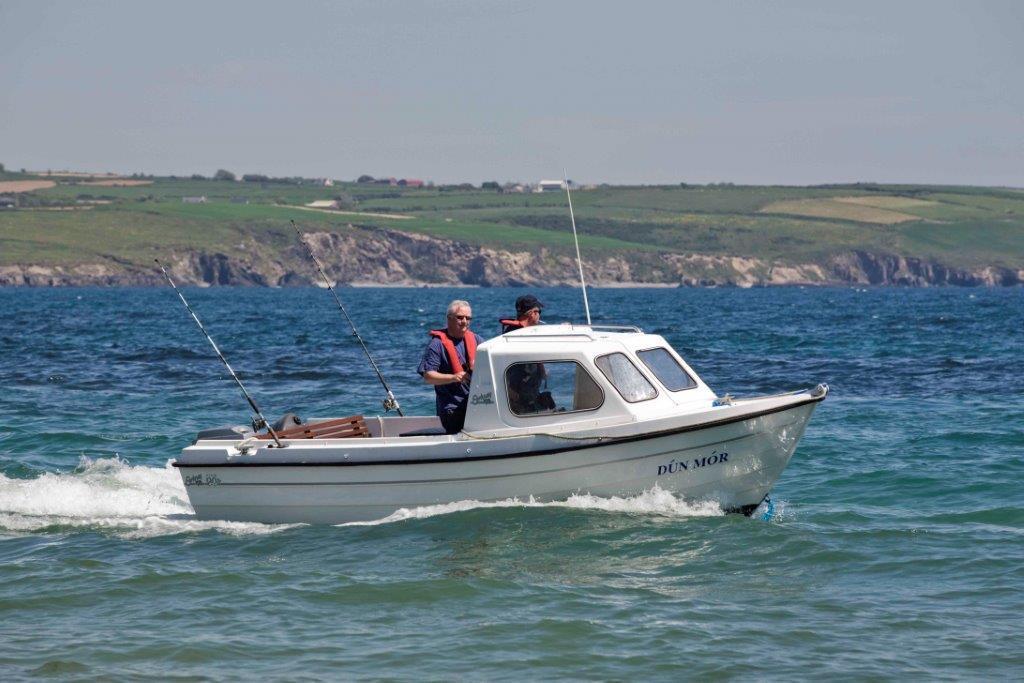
(895,548)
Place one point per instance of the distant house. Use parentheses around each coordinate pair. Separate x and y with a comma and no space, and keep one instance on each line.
(194,200)
(324,204)
(410,182)
(7,203)
(551,186)
(385,181)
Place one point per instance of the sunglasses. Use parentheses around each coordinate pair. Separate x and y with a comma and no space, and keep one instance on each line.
(462,317)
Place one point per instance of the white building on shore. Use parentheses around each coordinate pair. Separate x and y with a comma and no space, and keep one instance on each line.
(551,186)
(324,204)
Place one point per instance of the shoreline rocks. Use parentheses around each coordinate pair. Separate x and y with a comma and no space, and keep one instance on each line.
(373,257)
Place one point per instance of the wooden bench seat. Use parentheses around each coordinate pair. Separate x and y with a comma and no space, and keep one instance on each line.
(341,428)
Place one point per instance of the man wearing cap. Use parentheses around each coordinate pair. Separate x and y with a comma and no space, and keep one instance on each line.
(527,314)
(525,380)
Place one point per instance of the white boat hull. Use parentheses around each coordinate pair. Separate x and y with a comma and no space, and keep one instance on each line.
(734,462)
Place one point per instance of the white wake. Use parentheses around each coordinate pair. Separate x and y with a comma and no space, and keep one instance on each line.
(135,501)
(108,493)
(656,501)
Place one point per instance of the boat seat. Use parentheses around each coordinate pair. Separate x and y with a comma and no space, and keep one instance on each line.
(340,428)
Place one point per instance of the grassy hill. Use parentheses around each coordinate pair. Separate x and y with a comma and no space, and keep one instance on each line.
(78,221)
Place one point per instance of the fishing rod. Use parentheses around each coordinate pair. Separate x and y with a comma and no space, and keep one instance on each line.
(256,423)
(579,261)
(390,403)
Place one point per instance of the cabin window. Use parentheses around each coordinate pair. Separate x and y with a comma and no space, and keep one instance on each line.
(667,369)
(561,386)
(626,378)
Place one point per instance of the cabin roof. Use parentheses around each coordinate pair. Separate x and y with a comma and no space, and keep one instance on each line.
(590,339)
(542,333)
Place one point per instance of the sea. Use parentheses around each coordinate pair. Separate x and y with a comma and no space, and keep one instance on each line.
(893,547)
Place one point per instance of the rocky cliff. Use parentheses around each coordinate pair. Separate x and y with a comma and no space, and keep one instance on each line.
(389,257)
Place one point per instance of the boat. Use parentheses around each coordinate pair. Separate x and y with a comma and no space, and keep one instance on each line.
(553,410)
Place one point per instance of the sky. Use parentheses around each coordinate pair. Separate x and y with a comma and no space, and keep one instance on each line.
(625,92)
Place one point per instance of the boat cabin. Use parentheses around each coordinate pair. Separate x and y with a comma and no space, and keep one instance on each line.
(564,377)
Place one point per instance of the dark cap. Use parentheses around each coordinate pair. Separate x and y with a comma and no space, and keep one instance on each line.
(526,302)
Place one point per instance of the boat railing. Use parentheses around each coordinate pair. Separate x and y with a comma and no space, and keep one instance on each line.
(553,335)
(615,328)
(820,391)
(581,331)
(605,328)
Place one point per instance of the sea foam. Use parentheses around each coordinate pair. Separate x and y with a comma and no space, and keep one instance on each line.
(655,501)
(134,501)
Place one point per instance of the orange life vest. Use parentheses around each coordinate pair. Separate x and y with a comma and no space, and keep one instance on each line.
(449,348)
(510,325)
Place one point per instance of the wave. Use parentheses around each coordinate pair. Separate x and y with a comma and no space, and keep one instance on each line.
(108,494)
(135,501)
(655,501)
(302,374)
(164,353)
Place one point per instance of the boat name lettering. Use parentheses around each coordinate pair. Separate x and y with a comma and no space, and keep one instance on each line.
(485,399)
(674,465)
(200,480)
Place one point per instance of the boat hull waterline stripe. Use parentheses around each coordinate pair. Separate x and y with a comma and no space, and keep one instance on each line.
(550,470)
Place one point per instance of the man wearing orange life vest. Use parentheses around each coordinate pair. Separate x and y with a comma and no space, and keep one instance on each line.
(447,364)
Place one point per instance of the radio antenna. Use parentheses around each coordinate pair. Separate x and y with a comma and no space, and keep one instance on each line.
(390,403)
(257,422)
(579,261)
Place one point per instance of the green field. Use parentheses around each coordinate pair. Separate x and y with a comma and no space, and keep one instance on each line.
(958,226)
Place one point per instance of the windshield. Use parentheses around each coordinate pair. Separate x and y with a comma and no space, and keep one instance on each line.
(626,378)
(667,369)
